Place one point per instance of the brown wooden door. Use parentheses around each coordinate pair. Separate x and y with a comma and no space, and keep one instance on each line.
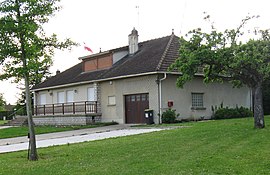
(134,106)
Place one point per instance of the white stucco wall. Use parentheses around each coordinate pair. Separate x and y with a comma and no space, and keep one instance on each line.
(214,95)
(122,87)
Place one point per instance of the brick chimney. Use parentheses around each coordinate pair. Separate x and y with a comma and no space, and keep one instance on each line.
(133,40)
(57,72)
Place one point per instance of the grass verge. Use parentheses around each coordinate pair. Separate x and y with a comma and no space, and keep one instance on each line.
(3,122)
(215,147)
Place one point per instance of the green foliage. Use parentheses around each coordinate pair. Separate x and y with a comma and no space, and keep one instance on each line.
(2,122)
(2,103)
(8,114)
(20,109)
(169,116)
(22,38)
(224,57)
(266,96)
(25,50)
(227,113)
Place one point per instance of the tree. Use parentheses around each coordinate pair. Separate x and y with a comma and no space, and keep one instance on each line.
(40,73)
(2,103)
(24,46)
(224,57)
(266,97)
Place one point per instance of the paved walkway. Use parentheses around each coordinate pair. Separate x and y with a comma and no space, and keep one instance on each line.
(75,136)
(3,127)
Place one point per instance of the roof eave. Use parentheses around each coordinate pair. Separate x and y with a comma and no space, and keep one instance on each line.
(92,81)
(108,79)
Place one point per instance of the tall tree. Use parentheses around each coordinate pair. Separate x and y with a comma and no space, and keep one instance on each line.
(24,46)
(223,56)
(266,97)
(2,102)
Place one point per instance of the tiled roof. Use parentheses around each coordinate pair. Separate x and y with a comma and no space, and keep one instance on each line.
(153,56)
(74,74)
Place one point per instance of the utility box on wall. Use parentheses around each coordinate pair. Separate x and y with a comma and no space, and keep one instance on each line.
(170,103)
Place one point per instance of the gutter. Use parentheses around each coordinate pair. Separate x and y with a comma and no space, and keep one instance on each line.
(160,97)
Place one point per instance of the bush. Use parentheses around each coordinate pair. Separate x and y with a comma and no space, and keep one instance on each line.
(8,114)
(169,116)
(226,113)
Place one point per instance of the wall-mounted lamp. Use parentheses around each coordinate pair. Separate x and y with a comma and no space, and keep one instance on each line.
(111,82)
(75,91)
(51,93)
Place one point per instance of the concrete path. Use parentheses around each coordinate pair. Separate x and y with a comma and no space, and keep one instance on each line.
(75,136)
(3,127)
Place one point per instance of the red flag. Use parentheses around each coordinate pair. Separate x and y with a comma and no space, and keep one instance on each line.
(87,48)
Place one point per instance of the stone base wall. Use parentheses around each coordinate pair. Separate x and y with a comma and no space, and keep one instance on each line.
(66,120)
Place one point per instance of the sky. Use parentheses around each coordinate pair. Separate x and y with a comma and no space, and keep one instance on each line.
(106,24)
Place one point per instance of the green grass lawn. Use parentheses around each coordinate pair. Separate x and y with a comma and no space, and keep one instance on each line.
(23,130)
(3,122)
(212,147)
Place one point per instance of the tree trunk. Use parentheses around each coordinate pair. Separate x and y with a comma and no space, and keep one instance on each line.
(258,107)
(33,149)
(32,138)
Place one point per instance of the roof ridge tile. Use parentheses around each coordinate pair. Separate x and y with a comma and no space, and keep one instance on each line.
(165,53)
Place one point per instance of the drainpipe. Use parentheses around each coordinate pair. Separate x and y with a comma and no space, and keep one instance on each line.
(160,96)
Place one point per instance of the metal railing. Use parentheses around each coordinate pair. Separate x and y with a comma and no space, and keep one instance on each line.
(86,107)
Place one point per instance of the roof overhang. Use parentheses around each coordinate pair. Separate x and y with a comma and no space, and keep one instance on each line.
(92,81)
(108,79)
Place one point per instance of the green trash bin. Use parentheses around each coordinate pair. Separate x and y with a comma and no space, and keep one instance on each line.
(149,116)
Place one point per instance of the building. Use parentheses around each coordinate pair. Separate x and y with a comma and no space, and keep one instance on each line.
(119,84)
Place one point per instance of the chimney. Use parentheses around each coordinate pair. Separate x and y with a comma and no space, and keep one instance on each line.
(133,41)
(57,72)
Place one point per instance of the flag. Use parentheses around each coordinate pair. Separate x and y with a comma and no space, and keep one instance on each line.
(87,48)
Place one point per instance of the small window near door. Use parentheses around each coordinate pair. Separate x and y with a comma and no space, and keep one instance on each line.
(133,98)
(111,100)
(128,98)
(197,100)
(144,97)
(138,97)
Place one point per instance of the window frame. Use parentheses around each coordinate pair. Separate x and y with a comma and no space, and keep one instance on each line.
(111,102)
(197,101)
(58,99)
(43,99)
(93,95)
(68,97)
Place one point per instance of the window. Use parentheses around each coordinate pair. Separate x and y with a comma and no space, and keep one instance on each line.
(111,100)
(70,96)
(138,97)
(133,98)
(197,100)
(60,97)
(42,100)
(91,94)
